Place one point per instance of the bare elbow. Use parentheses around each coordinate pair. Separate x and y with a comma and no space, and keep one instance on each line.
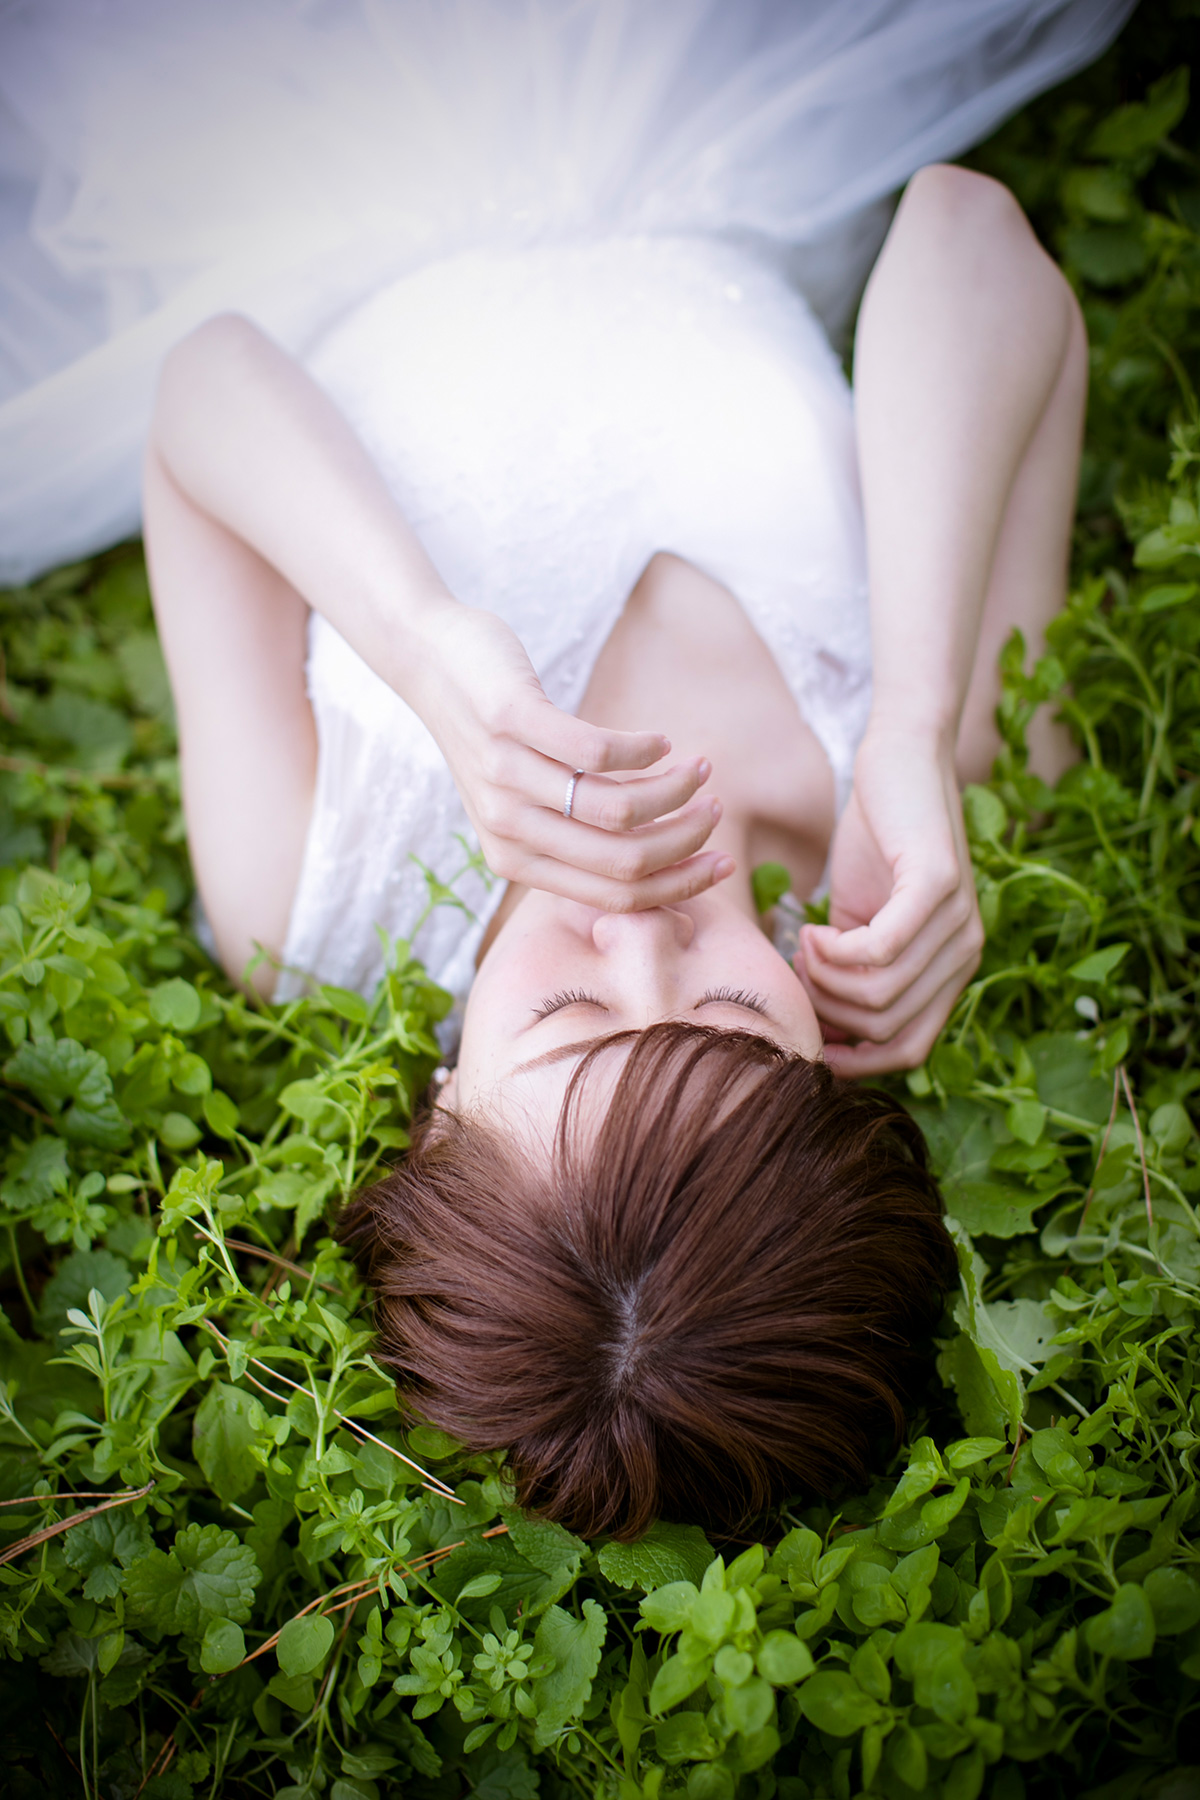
(226,346)
(225,339)
(961,198)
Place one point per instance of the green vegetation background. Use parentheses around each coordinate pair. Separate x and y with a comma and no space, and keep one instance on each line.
(228,1569)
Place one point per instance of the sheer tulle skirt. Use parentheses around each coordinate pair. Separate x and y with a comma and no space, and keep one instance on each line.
(162,160)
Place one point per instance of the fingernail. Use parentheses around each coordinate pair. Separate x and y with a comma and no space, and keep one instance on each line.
(704,768)
(716,809)
(725,866)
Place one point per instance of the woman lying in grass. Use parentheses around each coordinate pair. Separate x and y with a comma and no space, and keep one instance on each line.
(645,1242)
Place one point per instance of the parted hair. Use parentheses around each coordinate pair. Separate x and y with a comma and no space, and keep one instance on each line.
(709,1300)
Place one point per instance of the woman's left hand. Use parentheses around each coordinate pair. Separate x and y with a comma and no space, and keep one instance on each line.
(904,936)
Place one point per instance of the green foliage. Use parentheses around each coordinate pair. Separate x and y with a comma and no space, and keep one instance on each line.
(316,1598)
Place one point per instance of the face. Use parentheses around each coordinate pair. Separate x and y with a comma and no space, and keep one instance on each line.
(559,975)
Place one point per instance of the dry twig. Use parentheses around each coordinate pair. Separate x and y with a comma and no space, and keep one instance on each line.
(272,1256)
(50,1531)
(431,1481)
(1141,1147)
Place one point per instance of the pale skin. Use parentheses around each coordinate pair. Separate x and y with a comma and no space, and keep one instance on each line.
(970,378)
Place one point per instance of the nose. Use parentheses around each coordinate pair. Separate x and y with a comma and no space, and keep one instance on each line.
(658,929)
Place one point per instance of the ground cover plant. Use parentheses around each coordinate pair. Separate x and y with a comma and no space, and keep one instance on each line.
(227,1568)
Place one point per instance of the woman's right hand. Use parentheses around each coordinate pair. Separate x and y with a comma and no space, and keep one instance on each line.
(629,843)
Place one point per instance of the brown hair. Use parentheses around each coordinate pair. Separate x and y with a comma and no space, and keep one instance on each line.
(710,1301)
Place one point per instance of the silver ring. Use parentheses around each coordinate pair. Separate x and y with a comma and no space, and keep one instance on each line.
(569,802)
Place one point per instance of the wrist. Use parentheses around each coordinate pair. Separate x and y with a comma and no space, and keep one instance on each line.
(417,646)
(911,729)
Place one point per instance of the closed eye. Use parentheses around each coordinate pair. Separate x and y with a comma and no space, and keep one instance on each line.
(733,997)
(568,997)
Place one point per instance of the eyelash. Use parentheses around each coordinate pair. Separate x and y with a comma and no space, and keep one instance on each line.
(574,997)
(736,997)
(568,997)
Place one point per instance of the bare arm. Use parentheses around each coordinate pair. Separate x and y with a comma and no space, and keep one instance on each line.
(258,502)
(254,444)
(262,503)
(969,402)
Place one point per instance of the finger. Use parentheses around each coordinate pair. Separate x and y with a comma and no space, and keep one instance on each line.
(879,988)
(951,969)
(625,856)
(599,800)
(572,741)
(666,888)
(907,1050)
(912,902)
(879,1027)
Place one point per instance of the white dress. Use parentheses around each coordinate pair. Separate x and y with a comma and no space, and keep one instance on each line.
(548,257)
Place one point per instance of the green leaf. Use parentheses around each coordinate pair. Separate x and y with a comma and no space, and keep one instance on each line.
(769,882)
(207,1574)
(503,1775)
(1126,1628)
(36,1172)
(750,1707)
(1173,593)
(1141,126)
(1063,1070)
(678,1677)
(175,1005)
(1018,1332)
(666,1555)
(72,1655)
(430,1444)
(1107,255)
(871,1672)
(993,1208)
(357,1790)
(223,1647)
(946,1688)
(346,1004)
(710,1781)
(835,1703)
(178,1132)
(547,1546)
(1026,1119)
(966,1777)
(988,1399)
(521,1585)
(1170,1127)
(304,1644)
(572,1646)
(1100,964)
(104,1545)
(783,1659)
(919,1647)
(1174,1598)
(684,1737)
(220,1113)
(480,1586)
(64,1075)
(669,1608)
(985,814)
(908,1759)
(145,672)
(74,1280)
(227,1423)
(969,1451)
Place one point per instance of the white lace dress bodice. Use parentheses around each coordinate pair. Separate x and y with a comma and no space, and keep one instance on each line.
(546,255)
(547,420)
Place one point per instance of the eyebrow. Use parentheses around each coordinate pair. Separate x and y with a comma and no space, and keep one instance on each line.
(549,1057)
